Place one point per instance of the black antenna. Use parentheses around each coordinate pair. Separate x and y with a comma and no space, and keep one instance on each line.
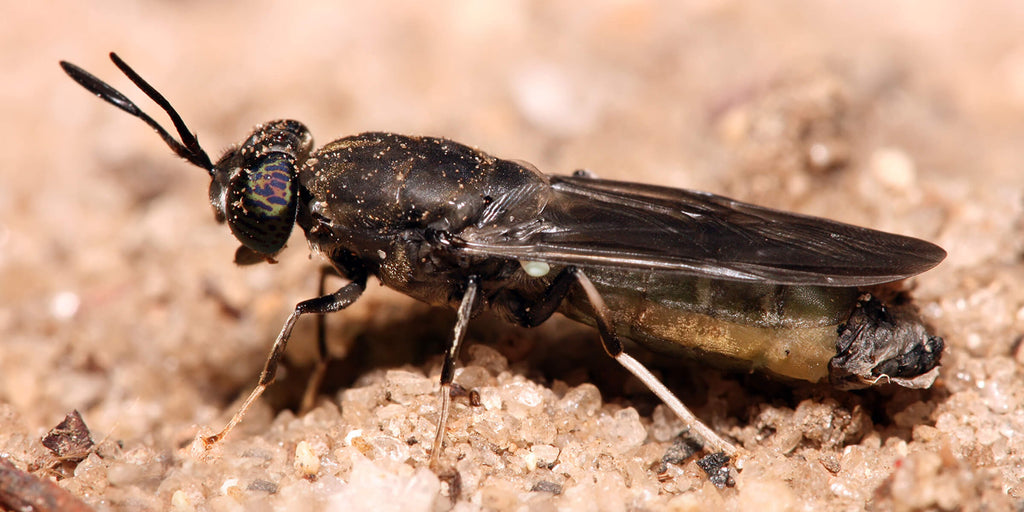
(188,148)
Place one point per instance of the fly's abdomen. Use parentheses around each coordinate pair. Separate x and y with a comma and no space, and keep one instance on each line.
(789,331)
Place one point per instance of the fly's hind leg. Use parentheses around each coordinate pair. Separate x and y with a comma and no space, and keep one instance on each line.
(324,304)
(613,346)
(533,314)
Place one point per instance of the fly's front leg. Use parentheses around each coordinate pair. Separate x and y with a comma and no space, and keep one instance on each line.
(448,367)
(613,346)
(316,379)
(324,304)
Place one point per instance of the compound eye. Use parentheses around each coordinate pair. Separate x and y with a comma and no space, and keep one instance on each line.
(262,203)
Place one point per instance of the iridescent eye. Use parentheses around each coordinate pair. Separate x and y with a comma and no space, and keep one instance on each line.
(261,203)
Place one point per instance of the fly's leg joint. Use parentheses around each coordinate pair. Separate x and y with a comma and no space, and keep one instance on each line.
(613,346)
(465,313)
(324,304)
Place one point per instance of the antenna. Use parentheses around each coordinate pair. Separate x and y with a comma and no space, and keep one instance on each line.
(188,148)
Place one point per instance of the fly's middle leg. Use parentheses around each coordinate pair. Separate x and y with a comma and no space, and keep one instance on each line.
(464,314)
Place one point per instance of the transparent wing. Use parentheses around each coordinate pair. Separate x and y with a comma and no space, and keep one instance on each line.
(592,222)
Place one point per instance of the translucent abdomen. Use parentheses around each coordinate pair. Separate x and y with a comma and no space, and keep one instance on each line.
(789,331)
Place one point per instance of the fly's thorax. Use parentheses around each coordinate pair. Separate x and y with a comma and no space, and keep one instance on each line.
(427,266)
(409,199)
(388,183)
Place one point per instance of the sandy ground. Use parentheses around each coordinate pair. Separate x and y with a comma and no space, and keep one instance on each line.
(118,297)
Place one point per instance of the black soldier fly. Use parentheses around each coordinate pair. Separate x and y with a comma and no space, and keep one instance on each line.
(677,270)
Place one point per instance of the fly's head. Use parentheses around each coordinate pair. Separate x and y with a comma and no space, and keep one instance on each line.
(254,186)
